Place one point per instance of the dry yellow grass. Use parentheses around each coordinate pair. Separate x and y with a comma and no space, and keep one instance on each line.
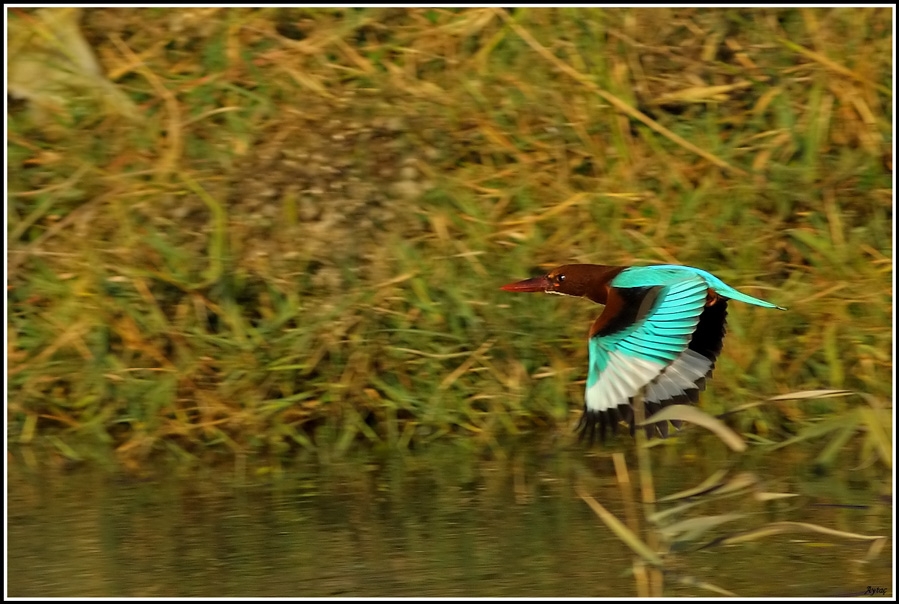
(291,232)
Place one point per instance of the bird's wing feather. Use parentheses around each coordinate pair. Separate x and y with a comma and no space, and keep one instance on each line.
(668,271)
(628,351)
(661,331)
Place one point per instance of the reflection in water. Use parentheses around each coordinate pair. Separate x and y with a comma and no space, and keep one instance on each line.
(435,524)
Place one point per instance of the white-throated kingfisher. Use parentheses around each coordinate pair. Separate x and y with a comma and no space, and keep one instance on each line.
(660,333)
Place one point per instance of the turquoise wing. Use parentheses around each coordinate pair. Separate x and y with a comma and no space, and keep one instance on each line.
(657,335)
(664,272)
(629,355)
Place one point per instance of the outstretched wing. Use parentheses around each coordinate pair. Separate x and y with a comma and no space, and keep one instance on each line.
(720,287)
(642,340)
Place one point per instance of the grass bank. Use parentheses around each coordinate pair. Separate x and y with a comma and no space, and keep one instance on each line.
(285,229)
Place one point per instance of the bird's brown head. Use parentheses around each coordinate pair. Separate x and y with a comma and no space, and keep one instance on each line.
(579,280)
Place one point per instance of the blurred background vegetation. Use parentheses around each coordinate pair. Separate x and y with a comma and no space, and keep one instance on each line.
(241,231)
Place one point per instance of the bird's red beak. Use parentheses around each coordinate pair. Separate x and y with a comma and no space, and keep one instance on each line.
(537,284)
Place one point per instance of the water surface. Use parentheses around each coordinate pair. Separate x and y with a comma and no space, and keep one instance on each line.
(436,523)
